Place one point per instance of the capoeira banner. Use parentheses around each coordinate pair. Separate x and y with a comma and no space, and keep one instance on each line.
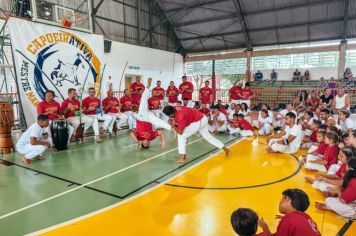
(53,58)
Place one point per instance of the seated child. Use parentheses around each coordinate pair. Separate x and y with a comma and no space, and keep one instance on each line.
(329,158)
(245,126)
(319,151)
(345,203)
(310,140)
(244,221)
(293,205)
(233,125)
(324,182)
(265,123)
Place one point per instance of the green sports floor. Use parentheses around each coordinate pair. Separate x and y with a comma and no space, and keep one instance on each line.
(85,178)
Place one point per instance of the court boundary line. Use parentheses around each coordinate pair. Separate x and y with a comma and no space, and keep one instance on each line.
(90,182)
(127,200)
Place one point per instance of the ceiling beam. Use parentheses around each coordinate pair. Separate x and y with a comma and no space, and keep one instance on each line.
(268,28)
(206,20)
(194,5)
(346,18)
(238,8)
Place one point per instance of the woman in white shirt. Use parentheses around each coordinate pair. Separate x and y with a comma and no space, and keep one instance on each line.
(270,114)
(265,123)
(245,111)
(344,122)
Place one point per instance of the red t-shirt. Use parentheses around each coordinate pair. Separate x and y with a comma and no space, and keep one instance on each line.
(154,103)
(205,95)
(75,103)
(234,123)
(126,104)
(330,155)
(341,171)
(246,93)
(321,148)
(185,116)
(296,223)
(313,136)
(114,108)
(136,100)
(245,125)
(53,107)
(144,130)
(349,194)
(234,93)
(205,111)
(159,91)
(135,87)
(90,102)
(172,94)
(186,86)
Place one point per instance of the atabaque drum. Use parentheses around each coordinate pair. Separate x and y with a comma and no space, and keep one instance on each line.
(6,123)
(59,130)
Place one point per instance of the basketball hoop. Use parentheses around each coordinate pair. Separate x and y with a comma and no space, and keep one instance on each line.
(72,20)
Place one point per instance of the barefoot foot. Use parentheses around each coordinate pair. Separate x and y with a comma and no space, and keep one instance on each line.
(27,162)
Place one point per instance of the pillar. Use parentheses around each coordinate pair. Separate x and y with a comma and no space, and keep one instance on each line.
(342,59)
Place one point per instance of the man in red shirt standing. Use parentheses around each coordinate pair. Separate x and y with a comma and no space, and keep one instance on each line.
(51,108)
(295,221)
(91,107)
(206,95)
(159,93)
(111,106)
(246,94)
(71,110)
(172,94)
(136,86)
(186,89)
(234,94)
(187,121)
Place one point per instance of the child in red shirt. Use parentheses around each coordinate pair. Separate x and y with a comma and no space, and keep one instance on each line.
(294,222)
(330,155)
(345,203)
(320,150)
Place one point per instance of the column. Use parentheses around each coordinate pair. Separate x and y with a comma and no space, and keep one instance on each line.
(342,59)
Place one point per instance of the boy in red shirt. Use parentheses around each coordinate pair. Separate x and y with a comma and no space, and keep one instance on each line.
(111,107)
(206,95)
(186,89)
(91,108)
(159,93)
(187,121)
(294,222)
(245,126)
(172,94)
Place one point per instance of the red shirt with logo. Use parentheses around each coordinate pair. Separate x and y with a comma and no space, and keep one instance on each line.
(185,116)
(296,223)
(154,103)
(114,108)
(136,100)
(126,104)
(136,86)
(246,93)
(205,95)
(158,92)
(234,93)
(90,102)
(144,130)
(186,86)
(53,107)
(234,123)
(172,94)
(75,104)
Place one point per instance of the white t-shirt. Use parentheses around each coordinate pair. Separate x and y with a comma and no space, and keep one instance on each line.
(231,113)
(34,131)
(245,113)
(221,117)
(346,125)
(298,133)
(270,114)
(262,120)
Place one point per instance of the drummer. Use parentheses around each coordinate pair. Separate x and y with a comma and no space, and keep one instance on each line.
(34,141)
(91,108)
(70,108)
(52,109)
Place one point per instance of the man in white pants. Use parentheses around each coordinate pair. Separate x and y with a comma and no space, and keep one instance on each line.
(289,140)
(91,108)
(111,107)
(70,107)
(34,141)
(187,121)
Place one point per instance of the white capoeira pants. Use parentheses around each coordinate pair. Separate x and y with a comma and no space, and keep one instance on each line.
(313,166)
(100,117)
(243,133)
(217,128)
(144,114)
(31,151)
(343,209)
(75,121)
(202,127)
(265,130)
(279,147)
(119,118)
(322,186)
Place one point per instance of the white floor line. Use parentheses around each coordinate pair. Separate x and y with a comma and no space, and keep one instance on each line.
(130,198)
(91,182)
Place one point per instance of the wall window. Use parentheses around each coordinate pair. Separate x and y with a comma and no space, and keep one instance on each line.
(351,58)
